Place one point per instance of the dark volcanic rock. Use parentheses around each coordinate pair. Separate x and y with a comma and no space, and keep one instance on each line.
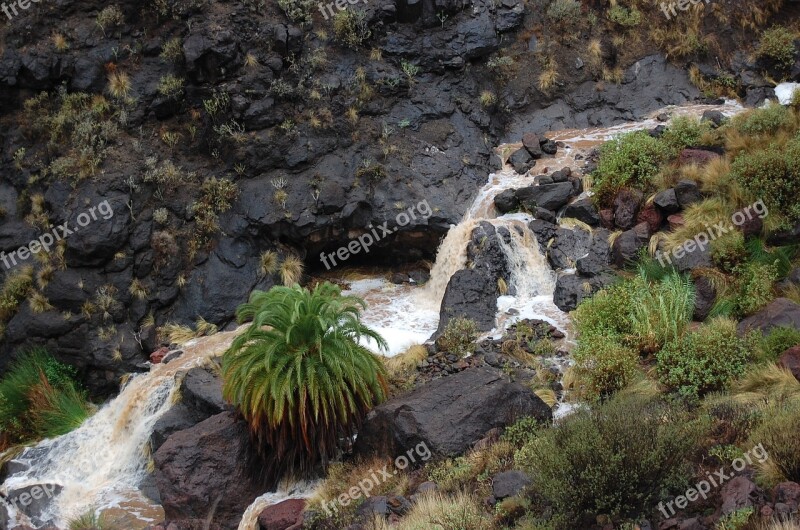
(572,289)
(626,206)
(627,245)
(544,231)
(472,295)
(583,210)
(509,483)
(521,161)
(532,145)
(205,470)
(667,201)
(781,312)
(506,201)
(548,196)
(687,192)
(448,415)
(567,246)
(705,296)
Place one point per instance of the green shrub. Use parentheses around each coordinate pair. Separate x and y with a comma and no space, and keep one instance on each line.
(350,27)
(780,339)
(630,160)
(615,459)
(778,433)
(623,16)
(728,250)
(458,337)
(298,10)
(755,287)
(606,311)
(604,363)
(772,175)
(16,288)
(777,45)
(522,432)
(684,132)
(565,12)
(39,398)
(171,86)
(765,120)
(704,360)
(110,16)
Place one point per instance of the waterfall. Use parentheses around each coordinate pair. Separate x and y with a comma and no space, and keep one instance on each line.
(102,464)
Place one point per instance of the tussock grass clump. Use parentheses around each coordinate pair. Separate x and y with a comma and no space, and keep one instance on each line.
(39,398)
(780,339)
(779,436)
(401,369)
(291,270)
(92,521)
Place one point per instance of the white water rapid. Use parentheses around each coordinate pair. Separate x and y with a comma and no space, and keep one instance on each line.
(101,465)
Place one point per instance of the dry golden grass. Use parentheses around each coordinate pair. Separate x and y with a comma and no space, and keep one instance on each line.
(119,84)
(698,218)
(268,263)
(765,385)
(291,270)
(402,368)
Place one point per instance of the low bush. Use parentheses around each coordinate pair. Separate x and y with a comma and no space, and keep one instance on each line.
(564,12)
(704,360)
(660,311)
(684,132)
(777,46)
(755,287)
(459,337)
(615,459)
(606,311)
(350,27)
(780,339)
(604,364)
(630,160)
(625,17)
(772,174)
(39,398)
(767,120)
(298,10)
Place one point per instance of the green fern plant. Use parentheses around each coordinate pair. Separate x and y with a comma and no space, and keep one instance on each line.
(300,376)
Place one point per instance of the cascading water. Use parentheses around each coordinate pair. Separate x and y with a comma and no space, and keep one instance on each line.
(102,464)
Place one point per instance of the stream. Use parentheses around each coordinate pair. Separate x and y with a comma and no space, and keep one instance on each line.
(101,465)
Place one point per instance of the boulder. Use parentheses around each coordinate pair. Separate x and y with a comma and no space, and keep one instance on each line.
(667,201)
(548,196)
(285,515)
(598,256)
(652,216)
(698,157)
(448,415)
(544,231)
(790,359)
(737,494)
(549,146)
(714,116)
(687,192)
(705,297)
(626,206)
(787,493)
(781,312)
(472,295)
(377,505)
(521,161)
(583,210)
(509,483)
(572,289)
(205,471)
(567,246)
(531,143)
(698,258)
(544,214)
(627,245)
(506,201)
(34,501)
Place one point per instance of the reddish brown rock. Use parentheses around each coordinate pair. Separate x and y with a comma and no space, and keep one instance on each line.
(675,221)
(157,356)
(697,157)
(790,359)
(650,215)
(286,515)
(607,219)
